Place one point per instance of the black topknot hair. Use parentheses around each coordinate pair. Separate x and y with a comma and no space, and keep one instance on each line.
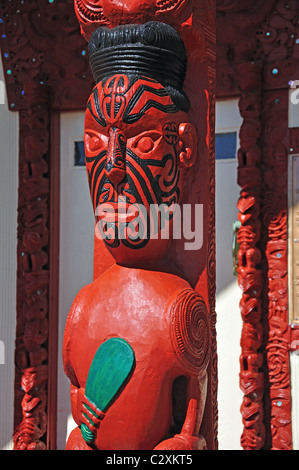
(154,50)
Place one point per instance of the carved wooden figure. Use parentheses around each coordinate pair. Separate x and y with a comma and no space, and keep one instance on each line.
(137,340)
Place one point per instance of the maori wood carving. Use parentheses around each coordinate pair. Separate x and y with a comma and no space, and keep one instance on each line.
(40,78)
(41,75)
(31,355)
(142,325)
(254,38)
(257,58)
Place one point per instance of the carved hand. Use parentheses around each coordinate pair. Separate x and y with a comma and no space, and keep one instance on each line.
(187,439)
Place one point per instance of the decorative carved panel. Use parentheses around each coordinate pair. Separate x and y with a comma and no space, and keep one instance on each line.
(46,66)
(41,44)
(257,56)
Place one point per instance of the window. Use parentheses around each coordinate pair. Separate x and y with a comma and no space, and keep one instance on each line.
(226,145)
(79,154)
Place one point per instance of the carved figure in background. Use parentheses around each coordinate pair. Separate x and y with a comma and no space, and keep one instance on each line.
(137,340)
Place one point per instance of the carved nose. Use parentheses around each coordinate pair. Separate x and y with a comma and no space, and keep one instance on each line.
(116,157)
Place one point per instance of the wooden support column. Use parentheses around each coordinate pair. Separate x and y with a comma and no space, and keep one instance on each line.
(257,60)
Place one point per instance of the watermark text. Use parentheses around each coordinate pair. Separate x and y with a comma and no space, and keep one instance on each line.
(137,222)
(2,92)
(294,84)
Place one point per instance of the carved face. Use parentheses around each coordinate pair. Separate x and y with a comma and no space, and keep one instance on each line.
(94,13)
(136,151)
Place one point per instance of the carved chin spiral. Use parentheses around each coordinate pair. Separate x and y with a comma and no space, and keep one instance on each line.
(190,330)
(168,5)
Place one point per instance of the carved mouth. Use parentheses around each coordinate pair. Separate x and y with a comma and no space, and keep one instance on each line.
(113,212)
(90,12)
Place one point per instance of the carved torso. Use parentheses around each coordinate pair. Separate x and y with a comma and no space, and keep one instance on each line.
(141,312)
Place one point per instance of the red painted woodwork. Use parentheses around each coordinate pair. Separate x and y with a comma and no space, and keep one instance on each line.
(45,62)
(92,14)
(253,40)
(61,71)
(256,58)
(33,273)
(27,32)
(143,295)
(195,23)
(140,418)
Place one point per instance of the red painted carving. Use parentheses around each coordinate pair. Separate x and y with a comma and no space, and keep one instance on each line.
(262,40)
(26,33)
(32,308)
(150,416)
(92,14)
(276,145)
(46,67)
(250,274)
(196,24)
(140,144)
(62,73)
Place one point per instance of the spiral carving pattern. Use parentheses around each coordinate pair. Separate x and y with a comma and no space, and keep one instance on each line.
(190,332)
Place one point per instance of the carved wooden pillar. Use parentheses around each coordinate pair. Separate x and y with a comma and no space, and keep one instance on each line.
(33,273)
(257,59)
(249,263)
(114,105)
(275,244)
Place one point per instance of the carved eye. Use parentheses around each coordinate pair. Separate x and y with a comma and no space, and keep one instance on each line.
(147,142)
(94,143)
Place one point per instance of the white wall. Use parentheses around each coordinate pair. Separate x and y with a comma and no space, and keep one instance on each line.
(228,294)
(9,131)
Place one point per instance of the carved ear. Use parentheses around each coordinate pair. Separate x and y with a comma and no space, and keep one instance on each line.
(187,144)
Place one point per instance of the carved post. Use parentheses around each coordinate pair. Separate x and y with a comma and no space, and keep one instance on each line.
(139,346)
(257,59)
(31,355)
